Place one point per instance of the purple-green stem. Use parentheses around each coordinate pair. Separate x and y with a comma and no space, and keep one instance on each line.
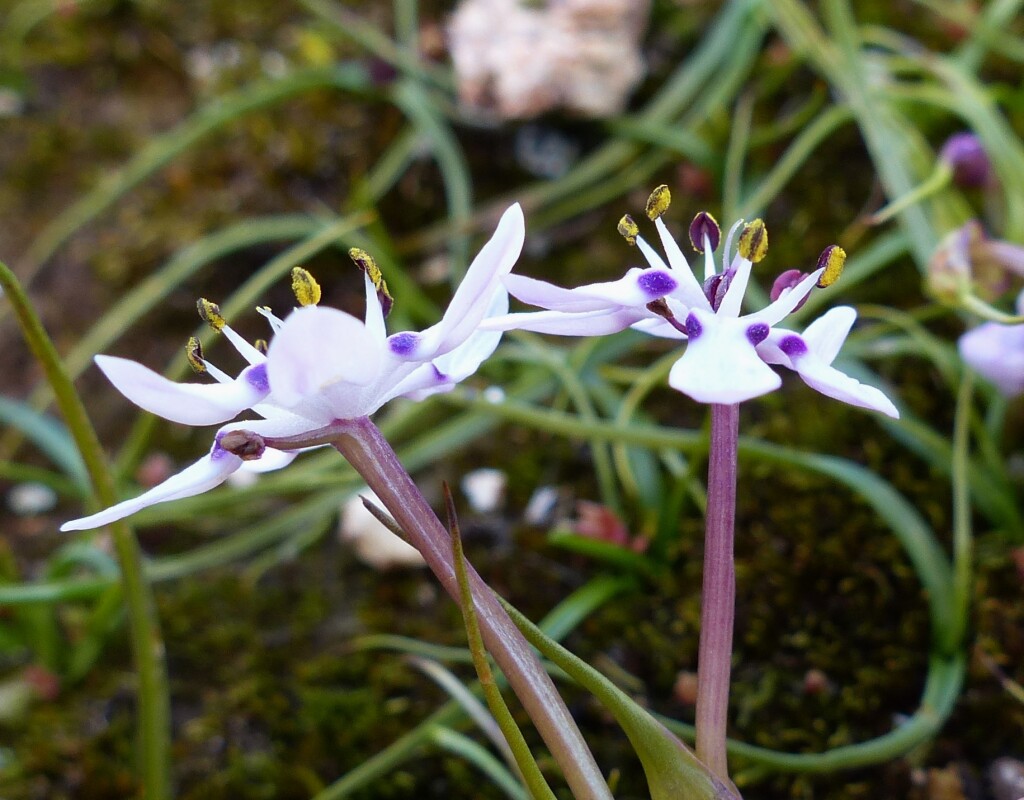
(718,594)
(369,453)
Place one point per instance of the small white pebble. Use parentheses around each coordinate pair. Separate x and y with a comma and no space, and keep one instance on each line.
(484,489)
(541,506)
(494,394)
(12,104)
(29,499)
(372,542)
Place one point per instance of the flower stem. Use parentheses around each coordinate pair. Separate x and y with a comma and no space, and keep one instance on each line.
(144,627)
(718,595)
(371,456)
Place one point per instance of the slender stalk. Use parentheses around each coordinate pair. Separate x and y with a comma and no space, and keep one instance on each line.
(718,594)
(372,457)
(144,627)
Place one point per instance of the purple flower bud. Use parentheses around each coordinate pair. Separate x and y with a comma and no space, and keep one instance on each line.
(967,158)
(716,286)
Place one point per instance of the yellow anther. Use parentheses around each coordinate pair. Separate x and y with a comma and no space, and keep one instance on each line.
(261,345)
(753,243)
(832,260)
(210,314)
(194,354)
(304,287)
(365,262)
(629,229)
(658,202)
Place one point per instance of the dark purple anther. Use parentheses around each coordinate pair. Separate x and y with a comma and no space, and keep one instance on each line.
(966,156)
(257,378)
(716,286)
(656,283)
(704,225)
(793,346)
(402,344)
(757,333)
(787,280)
(693,326)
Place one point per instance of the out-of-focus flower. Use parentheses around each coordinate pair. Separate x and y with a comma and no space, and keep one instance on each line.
(727,353)
(519,59)
(969,264)
(996,352)
(321,366)
(965,156)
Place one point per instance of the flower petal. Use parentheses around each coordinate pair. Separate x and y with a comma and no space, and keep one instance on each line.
(562,323)
(476,290)
(374,312)
(996,352)
(210,471)
(833,383)
(825,336)
(720,364)
(690,290)
(546,295)
(187,403)
(316,348)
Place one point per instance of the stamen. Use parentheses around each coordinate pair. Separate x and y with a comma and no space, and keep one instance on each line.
(194,354)
(704,231)
(658,202)
(753,243)
(832,260)
(628,229)
(261,345)
(660,307)
(210,314)
(365,262)
(247,445)
(304,287)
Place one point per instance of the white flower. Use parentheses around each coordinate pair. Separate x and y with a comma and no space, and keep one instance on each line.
(727,353)
(996,352)
(322,365)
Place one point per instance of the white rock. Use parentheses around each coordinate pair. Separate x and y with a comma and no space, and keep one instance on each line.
(484,489)
(541,506)
(29,499)
(371,541)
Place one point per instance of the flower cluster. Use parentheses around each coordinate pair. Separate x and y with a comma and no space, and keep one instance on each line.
(728,353)
(322,365)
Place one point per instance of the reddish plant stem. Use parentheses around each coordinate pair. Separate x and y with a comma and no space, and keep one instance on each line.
(362,444)
(718,595)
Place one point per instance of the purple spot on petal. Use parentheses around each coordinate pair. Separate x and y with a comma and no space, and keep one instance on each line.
(693,327)
(793,346)
(402,344)
(257,378)
(757,333)
(656,283)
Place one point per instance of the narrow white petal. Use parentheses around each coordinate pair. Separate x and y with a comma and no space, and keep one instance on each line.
(187,403)
(656,326)
(244,348)
(546,295)
(471,299)
(690,290)
(833,383)
(825,336)
(590,323)
(210,471)
(733,300)
(316,348)
(721,365)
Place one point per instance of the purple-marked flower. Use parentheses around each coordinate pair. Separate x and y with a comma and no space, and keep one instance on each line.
(322,365)
(727,353)
(996,352)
